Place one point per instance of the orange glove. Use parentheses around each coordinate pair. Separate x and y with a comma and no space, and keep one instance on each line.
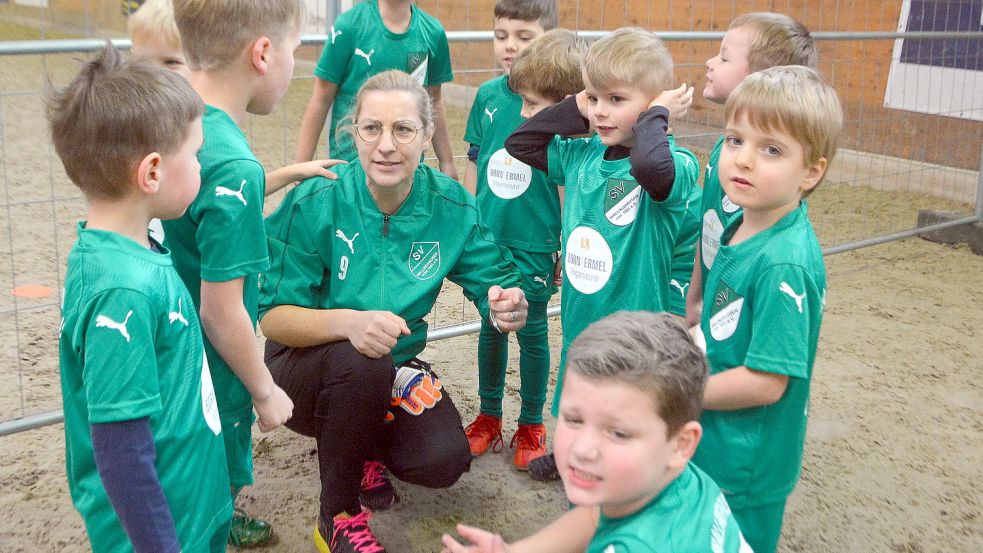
(415,390)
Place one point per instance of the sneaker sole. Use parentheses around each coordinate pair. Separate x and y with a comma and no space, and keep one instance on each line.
(319,544)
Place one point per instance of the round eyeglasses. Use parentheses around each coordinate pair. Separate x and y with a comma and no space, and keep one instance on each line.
(403,132)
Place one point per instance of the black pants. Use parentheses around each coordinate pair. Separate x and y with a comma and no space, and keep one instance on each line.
(341,398)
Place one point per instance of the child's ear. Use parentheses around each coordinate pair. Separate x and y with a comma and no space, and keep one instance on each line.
(814,173)
(259,54)
(149,174)
(687,438)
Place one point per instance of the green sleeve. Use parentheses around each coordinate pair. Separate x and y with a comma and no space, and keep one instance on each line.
(483,264)
(556,155)
(231,236)
(687,167)
(296,275)
(337,52)
(119,374)
(782,325)
(439,70)
(473,133)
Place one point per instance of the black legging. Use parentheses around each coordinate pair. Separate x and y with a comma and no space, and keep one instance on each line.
(341,398)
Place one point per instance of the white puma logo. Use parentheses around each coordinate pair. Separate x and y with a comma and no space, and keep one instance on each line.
(334,34)
(178,315)
(223,191)
(491,114)
(785,288)
(368,57)
(540,280)
(351,243)
(682,289)
(104,321)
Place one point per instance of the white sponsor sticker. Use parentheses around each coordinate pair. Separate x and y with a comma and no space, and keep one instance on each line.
(507,177)
(209,404)
(710,239)
(587,261)
(724,322)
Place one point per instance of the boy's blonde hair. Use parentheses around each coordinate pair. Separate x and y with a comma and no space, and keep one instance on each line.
(541,11)
(648,351)
(632,56)
(795,100)
(392,81)
(155,17)
(215,31)
(778,40)
(550,66)
(113,114)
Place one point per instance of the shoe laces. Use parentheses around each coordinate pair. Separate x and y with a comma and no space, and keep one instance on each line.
(373,475)
(356,530)
(487,424)
(529,436)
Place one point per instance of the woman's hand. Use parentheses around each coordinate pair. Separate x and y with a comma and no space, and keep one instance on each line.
(482,541)
(374,333)
(508,307)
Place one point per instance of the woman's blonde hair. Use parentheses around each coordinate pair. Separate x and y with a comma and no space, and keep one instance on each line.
(392,81)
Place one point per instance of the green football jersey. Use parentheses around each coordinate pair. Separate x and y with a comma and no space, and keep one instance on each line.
(690,515)
(332,248)
(130,347)
(515,201)
(763,310)
(684,252)
(360,46)
(717,212)
(221,237)
(618,242)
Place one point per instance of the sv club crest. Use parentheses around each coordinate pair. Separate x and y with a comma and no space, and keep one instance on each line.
(424,259)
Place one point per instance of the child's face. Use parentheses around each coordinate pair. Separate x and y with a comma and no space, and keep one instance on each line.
(533,103)
(611,446)
(765,172)
(389,164)
(280,70)
(159,51)
(728,68)
(511,37)
(614,111)
(180,175)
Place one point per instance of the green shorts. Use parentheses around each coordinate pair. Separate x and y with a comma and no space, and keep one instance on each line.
(761,525)
(537,273)
(237,433)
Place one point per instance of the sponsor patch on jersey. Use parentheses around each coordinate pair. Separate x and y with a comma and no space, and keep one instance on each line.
(416,66)
(587,260)
(209,404)
(710,237)
(621,201)
(424,259)
(725,312)
(508,177)
(729,206)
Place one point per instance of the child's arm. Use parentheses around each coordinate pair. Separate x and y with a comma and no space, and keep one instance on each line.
(278,178)
(694,294)
(441,137)
(742,388)
(322,97)
(125,456)
(471,177)
(571,533)
(652,164)
(229,328)
(530,142)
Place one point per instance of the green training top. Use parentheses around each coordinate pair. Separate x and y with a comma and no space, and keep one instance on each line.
(360,46)
(690,515)
(684,252)
(221,237)
(763,311)
(130,347)
(717,212)
(515,201)
(331,248)
(618,242)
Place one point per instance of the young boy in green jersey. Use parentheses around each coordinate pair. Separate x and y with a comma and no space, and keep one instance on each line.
(144,455)
(372,37)
(155,37)
(509,191)
(627,430)
(241,54)
(754,41)
(768,290)
(626,186)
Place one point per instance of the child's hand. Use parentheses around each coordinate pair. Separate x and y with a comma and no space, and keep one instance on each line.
(448,168)
(482,541)
(582,103)
(316,168)
(677,100)
(273,410)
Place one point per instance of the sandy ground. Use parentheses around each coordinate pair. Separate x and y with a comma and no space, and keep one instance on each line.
(896,432)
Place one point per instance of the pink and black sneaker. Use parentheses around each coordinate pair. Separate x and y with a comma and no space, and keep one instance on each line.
(377,493)
(348,534)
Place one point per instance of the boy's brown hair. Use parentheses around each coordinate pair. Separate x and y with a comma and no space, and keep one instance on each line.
(777,40)
(632,56)
(215,31)
(651,352)
(113,114)
(543,11)
(795,100)
(550,66)
(154,17)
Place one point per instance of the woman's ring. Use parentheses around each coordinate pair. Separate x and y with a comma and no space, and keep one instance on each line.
(513,316)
